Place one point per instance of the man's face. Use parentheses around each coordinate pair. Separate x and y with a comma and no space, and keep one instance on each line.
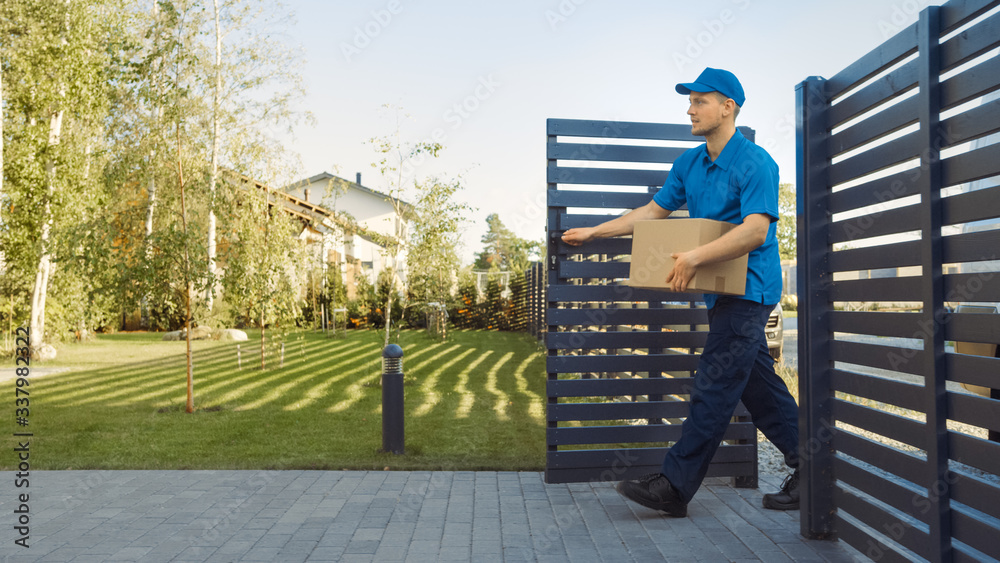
(706,111)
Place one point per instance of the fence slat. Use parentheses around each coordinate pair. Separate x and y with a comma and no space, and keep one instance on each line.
(619,387)
(971,206)
(874,192)
(875,224)
(896,493)
(606,458)
(605,176)
(896,255)
(886,458)
(881,157)
(612,364)
(590,435)
(603,200)
(614,316)
(881,289)
(611,270)
(972,327)
(888,121)
(975,493)
(976,452)
(977,411)
(891,426)
(859,539)
(903,532)
(614,153)
(901,325)
(898,393)
(618,410)
(885,55)
(632,340)
(975,533)
(969,85)
(971,166)
(618,129)
(973,370)
(614,293)
(982,287)
(965,47)
(906,360)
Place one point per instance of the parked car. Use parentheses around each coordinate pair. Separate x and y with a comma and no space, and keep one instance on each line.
(775,332)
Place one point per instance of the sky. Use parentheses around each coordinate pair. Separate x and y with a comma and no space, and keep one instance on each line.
(483,77)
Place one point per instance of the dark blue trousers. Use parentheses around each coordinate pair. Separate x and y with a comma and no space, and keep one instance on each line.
(735,365)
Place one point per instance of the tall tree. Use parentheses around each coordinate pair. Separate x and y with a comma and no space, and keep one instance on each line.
(505,251)
(55,89)
(214,172)
(262,257)
(436,227)
(395,163)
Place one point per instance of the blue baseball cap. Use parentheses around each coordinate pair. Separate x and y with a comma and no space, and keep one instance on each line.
(715,80)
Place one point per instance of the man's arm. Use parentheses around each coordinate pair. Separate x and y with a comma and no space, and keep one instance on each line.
(618,226)
(742,240)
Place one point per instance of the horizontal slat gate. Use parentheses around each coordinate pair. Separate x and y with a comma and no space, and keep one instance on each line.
(619,359)
(899,279)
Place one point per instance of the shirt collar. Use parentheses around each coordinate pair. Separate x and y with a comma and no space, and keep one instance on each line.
(728,152)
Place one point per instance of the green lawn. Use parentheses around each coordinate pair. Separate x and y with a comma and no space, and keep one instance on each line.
(473,402)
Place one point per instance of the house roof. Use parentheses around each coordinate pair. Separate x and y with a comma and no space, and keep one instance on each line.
(310,213)
(324,176)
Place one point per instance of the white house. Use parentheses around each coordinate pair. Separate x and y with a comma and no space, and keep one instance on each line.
(360,251)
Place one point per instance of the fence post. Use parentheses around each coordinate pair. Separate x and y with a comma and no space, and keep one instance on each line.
(392,399)
(928,183)
(815,397)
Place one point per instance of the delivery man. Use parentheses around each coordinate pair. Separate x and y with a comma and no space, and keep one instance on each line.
(727,179)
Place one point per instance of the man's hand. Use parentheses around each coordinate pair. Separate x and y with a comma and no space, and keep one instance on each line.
(578,236)
(685,266)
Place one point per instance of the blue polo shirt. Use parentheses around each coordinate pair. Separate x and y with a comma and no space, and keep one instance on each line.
(741,182)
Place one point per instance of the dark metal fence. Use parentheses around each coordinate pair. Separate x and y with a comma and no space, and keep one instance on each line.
(619,359)
(898,212)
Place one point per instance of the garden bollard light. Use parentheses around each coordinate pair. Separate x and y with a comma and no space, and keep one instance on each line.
(392,399)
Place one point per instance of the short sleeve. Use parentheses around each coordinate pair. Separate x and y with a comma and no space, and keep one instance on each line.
(672,196)
(760,185)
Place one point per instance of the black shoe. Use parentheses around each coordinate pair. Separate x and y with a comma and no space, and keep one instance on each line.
(654,491)
(788,497)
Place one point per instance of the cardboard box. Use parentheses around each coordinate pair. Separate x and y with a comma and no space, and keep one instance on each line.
(654,241)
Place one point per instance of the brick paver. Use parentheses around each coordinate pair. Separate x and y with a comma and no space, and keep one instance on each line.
(319,516)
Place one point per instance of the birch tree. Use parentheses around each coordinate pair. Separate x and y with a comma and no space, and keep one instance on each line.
(395,163)
(437,222)
(262,255)
(53,80)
